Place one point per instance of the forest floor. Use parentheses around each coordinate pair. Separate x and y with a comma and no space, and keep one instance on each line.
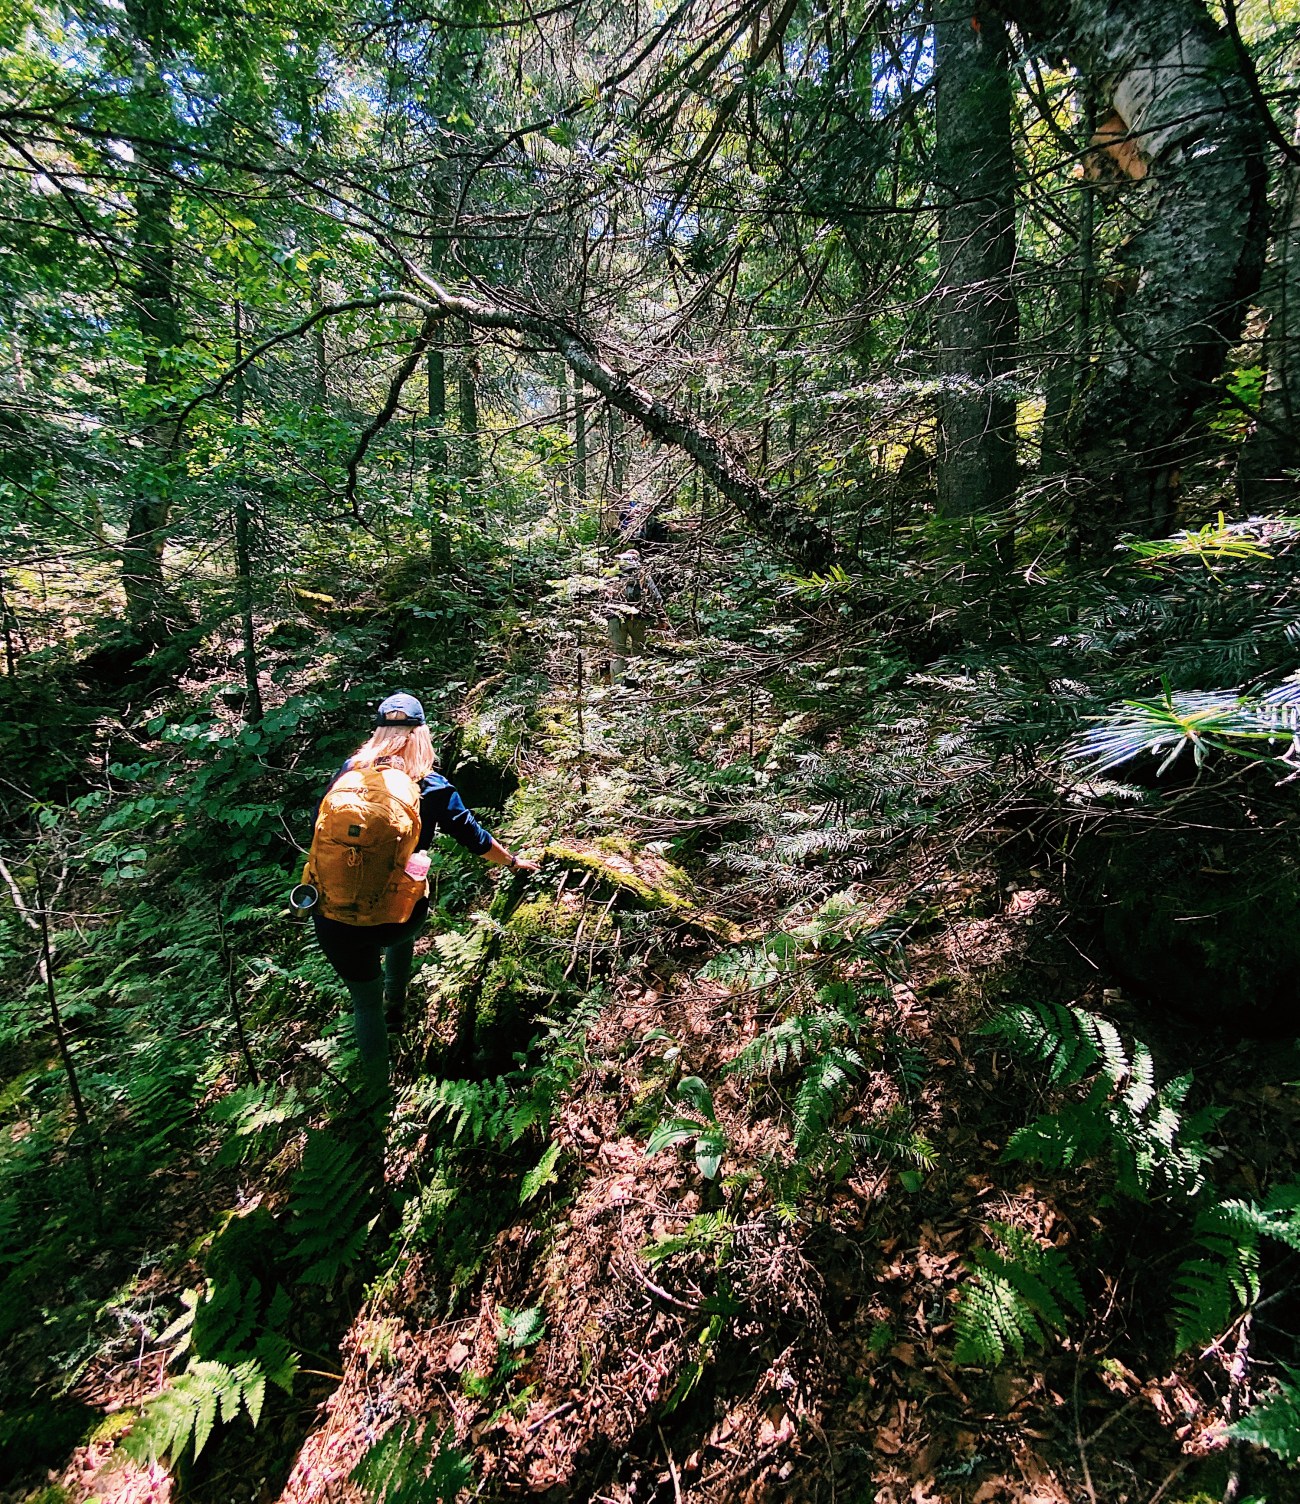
(771,1332)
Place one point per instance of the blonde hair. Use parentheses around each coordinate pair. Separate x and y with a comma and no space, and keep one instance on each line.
(407,747)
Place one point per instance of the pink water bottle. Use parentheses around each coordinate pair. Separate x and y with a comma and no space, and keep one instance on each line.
(418,866)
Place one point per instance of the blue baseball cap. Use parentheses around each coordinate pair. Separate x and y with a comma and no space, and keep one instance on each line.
(400,710)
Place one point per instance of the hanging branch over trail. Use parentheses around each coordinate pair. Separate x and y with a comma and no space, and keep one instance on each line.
(786,526)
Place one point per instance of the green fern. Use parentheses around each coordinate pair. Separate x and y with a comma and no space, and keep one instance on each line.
(822,1089)
(1222,1277)
(1016,1300)
(1070,1041)
(328,1208)
(517,1331)
(186,1412)
(414,1464)
(255,1116)
(787,1042)
(1142,1128)
(1217,1281)
(477,1111)
(1275,1422)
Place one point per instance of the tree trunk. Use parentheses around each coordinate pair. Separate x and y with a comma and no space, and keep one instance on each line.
(1274,447)
(436,373)
(566,476)
(1175,87)
(976,320)
(158,323)
(243,553)
(471,458)
(579,440)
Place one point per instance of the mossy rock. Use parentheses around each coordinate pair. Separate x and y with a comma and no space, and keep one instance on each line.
(525,976)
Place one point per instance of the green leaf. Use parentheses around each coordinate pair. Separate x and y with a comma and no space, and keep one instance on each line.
(542,1174)
(674,1131)
(694,1092)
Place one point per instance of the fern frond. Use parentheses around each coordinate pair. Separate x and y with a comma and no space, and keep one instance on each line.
(328,1206)
(414,1464)
(1015,1299)
(1070,1041)
(185,1413)
(787,1042)
(821,1091)
(1219,1280)
(1275,1422)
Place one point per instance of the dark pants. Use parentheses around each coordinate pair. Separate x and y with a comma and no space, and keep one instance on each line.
(374,963)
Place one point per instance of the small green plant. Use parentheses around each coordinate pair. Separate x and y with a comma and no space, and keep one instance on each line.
(1015,1299)
(517,1331)
(328,1208)
(1275,1422)
(704,1131)
(1143,1129)
(710,1232)
(1223,1275)
(541,1175)
(185,1413)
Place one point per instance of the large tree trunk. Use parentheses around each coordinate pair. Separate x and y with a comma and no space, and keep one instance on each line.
(1173,81)
(975,319)
(1274,447)
(158,323)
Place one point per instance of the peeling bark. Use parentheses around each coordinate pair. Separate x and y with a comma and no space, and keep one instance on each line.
(1173,80)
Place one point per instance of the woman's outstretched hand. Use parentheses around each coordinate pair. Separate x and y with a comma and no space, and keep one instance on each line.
(500,857)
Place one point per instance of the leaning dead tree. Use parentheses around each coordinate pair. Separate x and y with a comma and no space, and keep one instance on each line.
(787,526)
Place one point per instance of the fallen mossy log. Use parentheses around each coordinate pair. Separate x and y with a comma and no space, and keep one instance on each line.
(642,883)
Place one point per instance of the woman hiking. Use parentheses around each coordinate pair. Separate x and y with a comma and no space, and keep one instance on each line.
(368,863)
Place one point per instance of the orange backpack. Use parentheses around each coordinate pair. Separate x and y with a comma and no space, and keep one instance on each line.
(365,834)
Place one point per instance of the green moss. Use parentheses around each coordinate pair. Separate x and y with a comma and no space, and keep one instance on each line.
(635,892)
(113,1426)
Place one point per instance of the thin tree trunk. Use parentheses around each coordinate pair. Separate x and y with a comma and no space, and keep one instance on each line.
(975,319)
(471,458)
(243,560)
(579,439)
(435,365)
(158,323)
(320,362)
(566,474)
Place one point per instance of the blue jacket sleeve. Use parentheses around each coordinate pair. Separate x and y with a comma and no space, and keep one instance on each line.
(442,808)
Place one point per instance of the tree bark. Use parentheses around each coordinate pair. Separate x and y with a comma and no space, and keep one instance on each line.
(1174,83)
(436,373)
(158,323)
(976,320)
(243,551)
(1274,446)
(471,458)
(579,440)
